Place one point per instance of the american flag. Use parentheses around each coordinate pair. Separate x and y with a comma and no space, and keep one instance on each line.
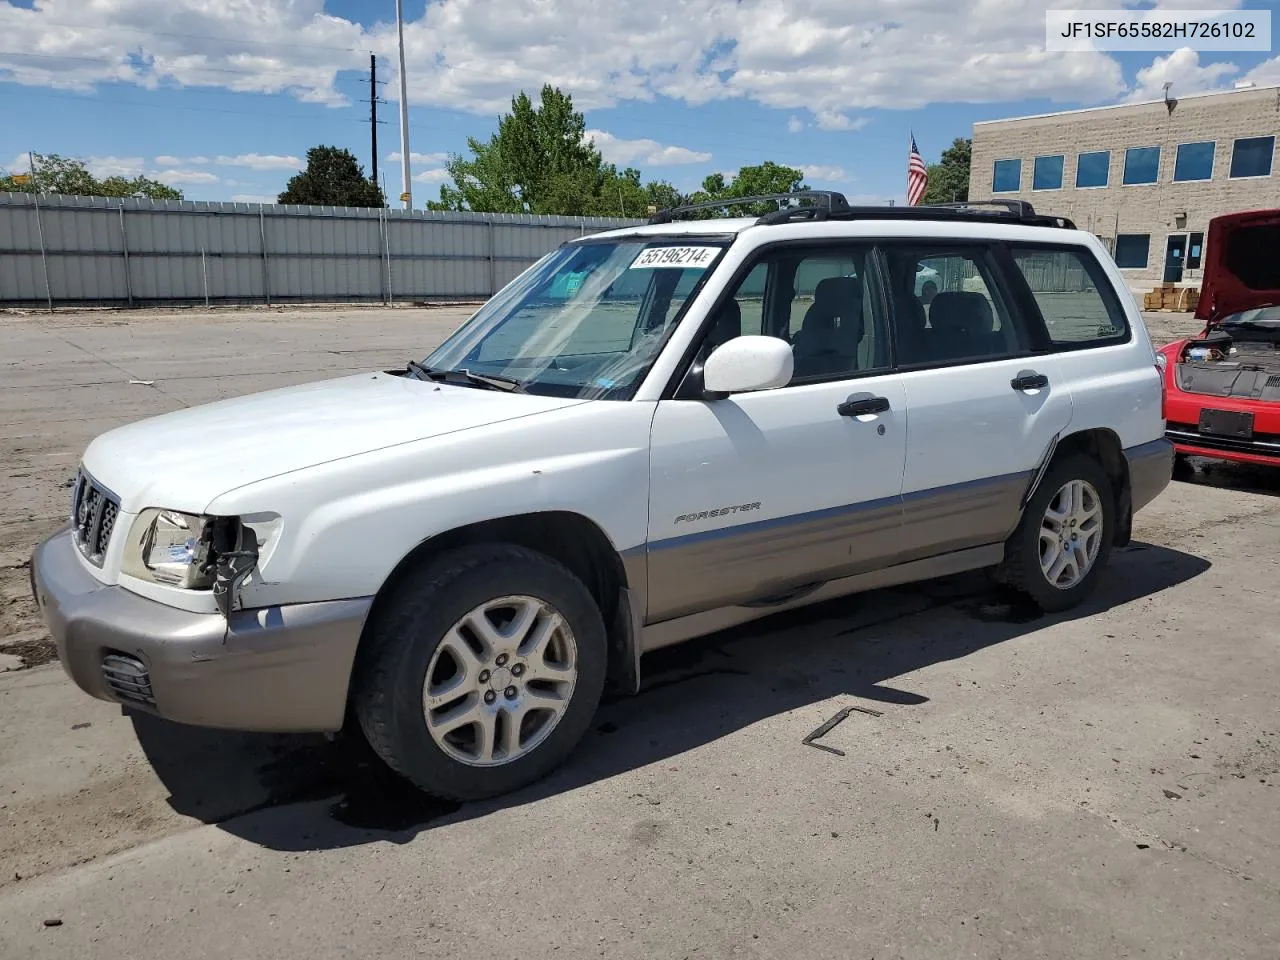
(917,175)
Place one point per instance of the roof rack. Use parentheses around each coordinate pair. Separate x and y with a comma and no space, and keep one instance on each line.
(828,204)
(824,203)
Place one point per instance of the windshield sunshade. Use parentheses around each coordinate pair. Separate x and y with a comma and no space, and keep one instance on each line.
(586,321)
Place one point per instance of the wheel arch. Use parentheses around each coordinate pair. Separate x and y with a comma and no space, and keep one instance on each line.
(1104,446)
(570,538)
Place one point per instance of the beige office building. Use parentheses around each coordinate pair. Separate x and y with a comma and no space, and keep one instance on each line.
(1145,177)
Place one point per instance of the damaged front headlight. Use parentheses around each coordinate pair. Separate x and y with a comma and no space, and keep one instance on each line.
(195,552)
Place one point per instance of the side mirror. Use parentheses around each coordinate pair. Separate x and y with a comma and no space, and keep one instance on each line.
(748,363)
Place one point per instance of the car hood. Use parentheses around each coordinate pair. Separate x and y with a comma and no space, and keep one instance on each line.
(185,459)
(1241,265)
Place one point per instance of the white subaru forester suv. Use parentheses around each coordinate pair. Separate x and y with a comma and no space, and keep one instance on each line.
(651,434)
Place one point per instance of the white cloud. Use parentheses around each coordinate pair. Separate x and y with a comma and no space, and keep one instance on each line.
(176,178)
(826,57)
(21,164)
(258,161)
(251,198)
(1182,68)
(431,176)
(794,124)
(835,120)
(424,159)
(818,171)
(165,160)
(115,166)
(1265,73)
(645,151)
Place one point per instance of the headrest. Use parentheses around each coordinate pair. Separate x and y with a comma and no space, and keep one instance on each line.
(956,311)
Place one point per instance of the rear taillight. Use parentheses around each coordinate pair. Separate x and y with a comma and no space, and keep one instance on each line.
(1161,360)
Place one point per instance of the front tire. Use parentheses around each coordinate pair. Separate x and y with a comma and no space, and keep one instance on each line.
(1064,539)
(483,672)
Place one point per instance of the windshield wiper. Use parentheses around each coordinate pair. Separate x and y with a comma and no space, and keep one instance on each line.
(418,370)
(507,384)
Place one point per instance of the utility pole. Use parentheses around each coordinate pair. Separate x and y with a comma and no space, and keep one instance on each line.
(407,196)
(373,114)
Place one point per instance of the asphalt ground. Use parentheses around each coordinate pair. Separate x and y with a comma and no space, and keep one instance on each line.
(1096,784)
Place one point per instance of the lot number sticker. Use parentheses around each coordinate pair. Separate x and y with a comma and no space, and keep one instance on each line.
(674,257)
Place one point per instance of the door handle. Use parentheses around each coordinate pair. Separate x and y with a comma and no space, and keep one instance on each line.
(860,404)
(1029,380)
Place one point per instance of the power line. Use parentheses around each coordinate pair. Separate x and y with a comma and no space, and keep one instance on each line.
(125,59)
(51,95)
(45,21)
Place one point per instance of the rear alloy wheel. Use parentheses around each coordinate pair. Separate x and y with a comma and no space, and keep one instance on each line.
(482,671)
(1064,538)
(1070,534)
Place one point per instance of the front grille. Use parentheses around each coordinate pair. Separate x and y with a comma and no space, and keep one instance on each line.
(128,678)
(93,516)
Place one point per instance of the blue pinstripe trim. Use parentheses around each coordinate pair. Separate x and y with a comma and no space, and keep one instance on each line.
(967,484)
(759,526)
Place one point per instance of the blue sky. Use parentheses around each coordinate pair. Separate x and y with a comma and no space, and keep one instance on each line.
(223,99)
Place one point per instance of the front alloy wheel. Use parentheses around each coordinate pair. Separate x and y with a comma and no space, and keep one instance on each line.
(500,681)
(481,672)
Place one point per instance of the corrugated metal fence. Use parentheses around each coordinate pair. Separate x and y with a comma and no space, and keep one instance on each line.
(106,251)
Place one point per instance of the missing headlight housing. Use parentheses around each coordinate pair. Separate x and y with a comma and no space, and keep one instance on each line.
(169,547)
(193,552)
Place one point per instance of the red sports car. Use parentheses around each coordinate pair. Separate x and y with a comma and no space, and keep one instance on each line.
(1222,388)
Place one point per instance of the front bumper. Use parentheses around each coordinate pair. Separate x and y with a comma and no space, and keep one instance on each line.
(1264,449)
(282,669)
(1182,413)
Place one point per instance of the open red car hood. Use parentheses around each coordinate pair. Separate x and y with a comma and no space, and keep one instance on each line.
(1241,265)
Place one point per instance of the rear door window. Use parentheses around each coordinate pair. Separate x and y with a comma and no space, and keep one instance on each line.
(947,306)
(1076,300)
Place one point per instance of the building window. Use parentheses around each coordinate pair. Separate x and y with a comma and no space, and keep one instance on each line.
(1141,165)
(1194,249)
(1132,250)
(1194,161)
(1047,173)
(1007,176)
(1251,157)
(1093,169)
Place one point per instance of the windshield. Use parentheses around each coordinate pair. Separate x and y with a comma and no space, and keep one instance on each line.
(585,321)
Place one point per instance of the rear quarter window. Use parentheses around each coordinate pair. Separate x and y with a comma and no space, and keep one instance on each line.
(1075,297)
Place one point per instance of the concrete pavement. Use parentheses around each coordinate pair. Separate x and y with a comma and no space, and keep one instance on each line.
(1102,784)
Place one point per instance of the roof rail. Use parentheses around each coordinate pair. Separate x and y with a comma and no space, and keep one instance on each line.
(824,203)
(828,204)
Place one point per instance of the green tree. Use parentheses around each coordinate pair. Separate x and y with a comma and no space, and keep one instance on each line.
(332,177)
(949,177)
(58,174)
(622,194)
(751,181)
(540,161)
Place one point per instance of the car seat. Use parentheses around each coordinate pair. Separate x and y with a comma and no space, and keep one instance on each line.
(827,341)
(963,325)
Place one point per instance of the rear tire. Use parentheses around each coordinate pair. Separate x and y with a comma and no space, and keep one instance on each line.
(482,672)
(1064,539)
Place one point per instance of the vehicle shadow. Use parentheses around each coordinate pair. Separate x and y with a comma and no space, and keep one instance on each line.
(298,793)
(1226,475)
